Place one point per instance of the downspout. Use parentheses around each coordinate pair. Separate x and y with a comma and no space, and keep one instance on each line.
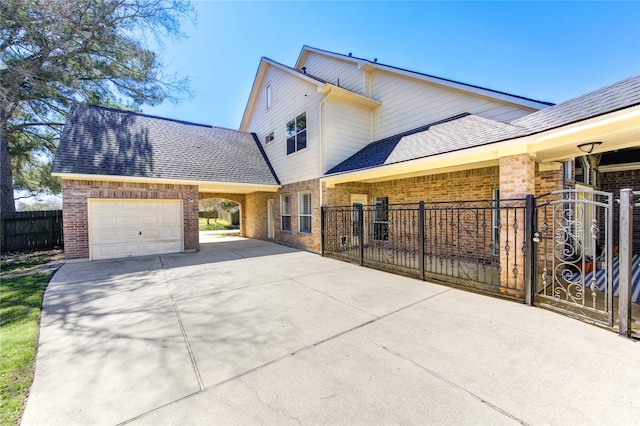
(321,142)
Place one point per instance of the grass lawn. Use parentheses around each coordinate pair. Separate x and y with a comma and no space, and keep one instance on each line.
(22,286)
(216,225)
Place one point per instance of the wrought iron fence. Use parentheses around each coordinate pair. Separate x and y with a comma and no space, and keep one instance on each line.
(476,244)
(574,253)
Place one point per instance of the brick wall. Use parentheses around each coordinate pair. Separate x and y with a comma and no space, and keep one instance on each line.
(475,184)
(613,182)
(548,181)
(255,225)
(76,192)
(294,237)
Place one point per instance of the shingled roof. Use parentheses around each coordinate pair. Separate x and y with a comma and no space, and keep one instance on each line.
(623,94)
(467,131)
(110,142)
(453,134)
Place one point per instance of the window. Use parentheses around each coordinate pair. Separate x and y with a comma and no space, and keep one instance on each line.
(269,138)
(296,132)
(285,211)
(305,212)
(381,218)
(268,96)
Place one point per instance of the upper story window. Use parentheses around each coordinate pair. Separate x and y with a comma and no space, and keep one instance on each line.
(270,137)
(268,96)
(296,132)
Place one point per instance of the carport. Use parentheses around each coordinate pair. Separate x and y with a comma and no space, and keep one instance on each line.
(131,182)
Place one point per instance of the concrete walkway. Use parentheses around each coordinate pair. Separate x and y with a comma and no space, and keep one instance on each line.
(249,332)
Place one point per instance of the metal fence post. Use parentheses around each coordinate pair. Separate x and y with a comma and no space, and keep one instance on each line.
(361,232)
(625,233)
(421,237)
(529,262)
(322,229)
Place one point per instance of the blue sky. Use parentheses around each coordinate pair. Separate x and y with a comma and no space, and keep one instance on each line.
(550,51)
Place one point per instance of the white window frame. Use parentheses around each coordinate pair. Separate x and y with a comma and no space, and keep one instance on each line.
(381,218)
(285,212)
(295,133)
(303,213)
(269,138)
(267,95)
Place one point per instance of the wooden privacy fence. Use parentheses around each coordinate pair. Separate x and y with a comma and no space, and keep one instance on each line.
(27,231)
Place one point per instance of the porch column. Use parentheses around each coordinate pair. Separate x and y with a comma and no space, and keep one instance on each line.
(517,179)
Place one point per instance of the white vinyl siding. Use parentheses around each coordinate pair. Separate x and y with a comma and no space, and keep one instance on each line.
(350,131)
(331,69)
(408,103)
(304,212)
(290,96)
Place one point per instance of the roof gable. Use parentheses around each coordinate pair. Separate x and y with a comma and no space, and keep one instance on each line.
(478,90)
(110,142)
(257,82)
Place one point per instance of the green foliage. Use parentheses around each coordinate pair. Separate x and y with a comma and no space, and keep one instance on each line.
(55,53)
(19,313)
(216,225)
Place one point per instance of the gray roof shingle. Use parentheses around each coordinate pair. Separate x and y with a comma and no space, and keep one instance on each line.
(453,134)
(467,131)
(623,94)
(105,141)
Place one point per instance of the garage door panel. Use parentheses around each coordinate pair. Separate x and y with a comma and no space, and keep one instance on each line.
(129,220)
(169,220)
(151,220)
(119,228)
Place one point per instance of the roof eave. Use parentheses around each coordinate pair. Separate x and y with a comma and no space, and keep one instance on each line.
(331,90)
(203,185)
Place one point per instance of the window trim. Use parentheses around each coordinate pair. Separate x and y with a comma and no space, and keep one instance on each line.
(296,134)
(269,137)
(381,218)
(284,215)
(301,213)
(267,96)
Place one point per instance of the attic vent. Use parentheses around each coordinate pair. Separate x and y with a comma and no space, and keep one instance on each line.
(304,70)
(375,60)
(350,54)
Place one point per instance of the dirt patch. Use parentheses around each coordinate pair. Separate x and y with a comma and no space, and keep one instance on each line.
(19,264)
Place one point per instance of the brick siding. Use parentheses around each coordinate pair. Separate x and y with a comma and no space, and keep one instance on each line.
(613,182)
(475,184)
(75,212)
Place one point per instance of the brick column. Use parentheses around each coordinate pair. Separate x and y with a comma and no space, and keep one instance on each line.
(517,179)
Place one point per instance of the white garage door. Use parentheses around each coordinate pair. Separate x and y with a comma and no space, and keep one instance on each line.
(120,228)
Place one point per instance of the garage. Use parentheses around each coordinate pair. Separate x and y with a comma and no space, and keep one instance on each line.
(125,227)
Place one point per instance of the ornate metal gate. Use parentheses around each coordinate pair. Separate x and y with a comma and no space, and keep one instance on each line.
(573,253)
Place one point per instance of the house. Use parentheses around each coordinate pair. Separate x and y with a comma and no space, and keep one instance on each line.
(331,130)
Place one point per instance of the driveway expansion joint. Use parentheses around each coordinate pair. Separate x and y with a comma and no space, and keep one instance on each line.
(183,330)
(441,378)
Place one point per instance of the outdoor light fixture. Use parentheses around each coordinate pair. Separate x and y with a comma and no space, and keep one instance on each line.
(588,147)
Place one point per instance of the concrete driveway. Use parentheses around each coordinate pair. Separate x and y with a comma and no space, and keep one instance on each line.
(249,332)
